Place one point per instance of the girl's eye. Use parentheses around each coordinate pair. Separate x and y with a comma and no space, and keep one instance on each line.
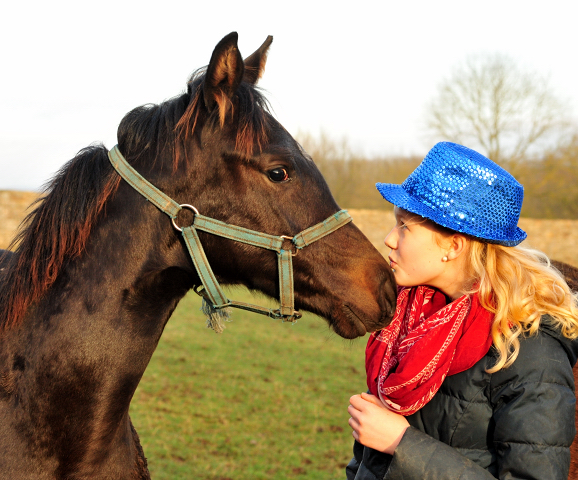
(279,175)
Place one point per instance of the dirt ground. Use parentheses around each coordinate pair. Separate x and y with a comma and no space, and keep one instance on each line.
(557,238)
(13,208)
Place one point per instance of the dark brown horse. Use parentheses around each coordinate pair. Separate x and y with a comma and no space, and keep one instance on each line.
(98,269)
(570,273)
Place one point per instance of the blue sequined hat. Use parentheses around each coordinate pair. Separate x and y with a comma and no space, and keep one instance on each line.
(462,190)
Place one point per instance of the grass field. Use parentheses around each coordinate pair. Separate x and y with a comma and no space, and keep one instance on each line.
(263,400)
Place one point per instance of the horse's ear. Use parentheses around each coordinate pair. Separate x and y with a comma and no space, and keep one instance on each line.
(224,74)
(255,63)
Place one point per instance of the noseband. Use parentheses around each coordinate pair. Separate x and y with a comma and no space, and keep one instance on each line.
(286,247)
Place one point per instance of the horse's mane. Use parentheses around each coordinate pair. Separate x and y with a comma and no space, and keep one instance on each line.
(58,228)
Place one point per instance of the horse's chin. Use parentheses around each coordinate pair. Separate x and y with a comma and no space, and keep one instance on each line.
(347,324)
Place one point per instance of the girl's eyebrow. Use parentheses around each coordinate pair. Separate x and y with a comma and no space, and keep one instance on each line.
(407,218)
(400,215)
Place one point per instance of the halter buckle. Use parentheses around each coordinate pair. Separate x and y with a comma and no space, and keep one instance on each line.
(296,315)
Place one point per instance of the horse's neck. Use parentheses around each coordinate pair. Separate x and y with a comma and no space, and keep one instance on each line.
(108,308)
(82,349)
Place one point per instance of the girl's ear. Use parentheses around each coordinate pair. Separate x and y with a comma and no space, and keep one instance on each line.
(457,246)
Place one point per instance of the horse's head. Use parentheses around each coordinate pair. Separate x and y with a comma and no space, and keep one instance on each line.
(231,160)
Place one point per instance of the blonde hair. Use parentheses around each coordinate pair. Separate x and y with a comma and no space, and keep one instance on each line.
(518,285)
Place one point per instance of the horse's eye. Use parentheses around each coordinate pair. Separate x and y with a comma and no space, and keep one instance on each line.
(279,175)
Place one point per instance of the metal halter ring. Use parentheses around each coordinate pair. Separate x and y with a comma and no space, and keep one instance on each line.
(285,237)
(184,205)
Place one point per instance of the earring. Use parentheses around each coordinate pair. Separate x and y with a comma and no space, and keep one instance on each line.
(444,259)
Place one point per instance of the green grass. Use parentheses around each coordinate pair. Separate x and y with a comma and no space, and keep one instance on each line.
(263,400)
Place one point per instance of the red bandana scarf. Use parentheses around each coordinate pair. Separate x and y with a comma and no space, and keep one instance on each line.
(426,341)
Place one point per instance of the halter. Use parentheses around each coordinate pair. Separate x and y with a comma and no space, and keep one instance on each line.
(285,246)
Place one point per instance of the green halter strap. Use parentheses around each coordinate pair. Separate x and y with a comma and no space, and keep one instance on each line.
(286,247)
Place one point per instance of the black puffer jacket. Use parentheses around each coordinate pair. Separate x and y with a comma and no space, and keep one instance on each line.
(516,423)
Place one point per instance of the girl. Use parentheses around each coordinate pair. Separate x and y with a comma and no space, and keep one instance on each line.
(473,378)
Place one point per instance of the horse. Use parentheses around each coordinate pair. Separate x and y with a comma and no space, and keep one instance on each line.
(570,274)
(98,268)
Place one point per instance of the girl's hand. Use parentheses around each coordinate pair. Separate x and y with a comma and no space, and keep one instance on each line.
(374,425)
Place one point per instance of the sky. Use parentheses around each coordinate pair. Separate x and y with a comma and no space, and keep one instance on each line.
(363,71)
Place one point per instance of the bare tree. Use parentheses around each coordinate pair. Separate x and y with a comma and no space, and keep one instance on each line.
(491,104)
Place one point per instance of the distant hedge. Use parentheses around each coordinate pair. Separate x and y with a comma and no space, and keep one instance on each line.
(550,183)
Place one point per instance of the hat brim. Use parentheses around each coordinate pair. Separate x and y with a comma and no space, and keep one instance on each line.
(396,195)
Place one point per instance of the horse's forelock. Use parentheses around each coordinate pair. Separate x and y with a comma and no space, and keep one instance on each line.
(249,109)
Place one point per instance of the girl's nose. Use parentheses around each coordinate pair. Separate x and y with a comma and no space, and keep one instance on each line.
(390,239)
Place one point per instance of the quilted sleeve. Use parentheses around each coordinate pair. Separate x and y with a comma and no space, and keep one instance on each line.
(421,457)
